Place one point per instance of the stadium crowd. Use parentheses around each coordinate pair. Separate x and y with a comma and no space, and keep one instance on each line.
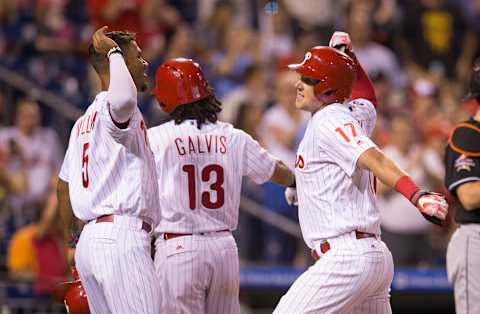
(417,53)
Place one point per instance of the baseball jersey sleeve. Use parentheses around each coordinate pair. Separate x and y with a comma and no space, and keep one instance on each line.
(343,140)
(365,113)
(460,169)
(258,164)
(64,169)
(119,134)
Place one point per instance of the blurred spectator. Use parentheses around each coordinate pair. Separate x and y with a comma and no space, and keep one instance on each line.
(276,36)
(404,230)
(228,65)
(250,229)
(33,147)
(254,90)
(281,123)
(315,14)
(303,41)
(215,22)
(37,251)
(118,15)
(217,14)
(180,44)
(279,130)
(55,31)
(374,57)
(437,38)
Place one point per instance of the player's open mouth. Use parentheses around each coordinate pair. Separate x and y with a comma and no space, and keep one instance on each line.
(300,96)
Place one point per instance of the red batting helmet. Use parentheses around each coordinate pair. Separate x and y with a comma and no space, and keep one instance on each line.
(178,82)
(73,295)
(334,71)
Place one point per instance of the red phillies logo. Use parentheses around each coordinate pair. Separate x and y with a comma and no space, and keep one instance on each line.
(299,163)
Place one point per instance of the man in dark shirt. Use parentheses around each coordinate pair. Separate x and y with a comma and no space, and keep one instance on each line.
(462,178)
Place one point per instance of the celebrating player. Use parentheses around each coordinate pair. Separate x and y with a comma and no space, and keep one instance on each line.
(335,169)
(109,172)
(200,164)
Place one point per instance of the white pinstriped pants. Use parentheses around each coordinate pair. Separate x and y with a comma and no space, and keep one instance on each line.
(354,276)
(199,274)
(114,263)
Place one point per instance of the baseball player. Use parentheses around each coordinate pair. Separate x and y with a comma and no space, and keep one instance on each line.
(109,172)
(200,163)
(335,169)
(462,169)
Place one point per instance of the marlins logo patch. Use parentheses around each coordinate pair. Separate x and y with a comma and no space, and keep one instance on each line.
(464,163)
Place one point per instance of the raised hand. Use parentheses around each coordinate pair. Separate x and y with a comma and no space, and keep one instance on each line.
(101,42)
(342,42)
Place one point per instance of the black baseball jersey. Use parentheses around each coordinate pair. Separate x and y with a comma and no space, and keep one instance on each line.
(463,168)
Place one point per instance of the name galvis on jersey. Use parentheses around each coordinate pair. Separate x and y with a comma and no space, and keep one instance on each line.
(201,174)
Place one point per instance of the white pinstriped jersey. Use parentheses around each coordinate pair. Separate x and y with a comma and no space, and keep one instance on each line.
(201,174)
(336,197)
(110,170)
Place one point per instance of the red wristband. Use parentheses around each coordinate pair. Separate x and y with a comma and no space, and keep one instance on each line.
(406,186)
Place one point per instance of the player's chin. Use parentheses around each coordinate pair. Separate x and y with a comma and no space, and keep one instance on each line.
(300,104)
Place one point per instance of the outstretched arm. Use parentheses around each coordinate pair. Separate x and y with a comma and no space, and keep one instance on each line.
(282,175)
(432,205)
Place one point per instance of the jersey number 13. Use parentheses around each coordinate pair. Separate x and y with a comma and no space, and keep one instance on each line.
(216,186)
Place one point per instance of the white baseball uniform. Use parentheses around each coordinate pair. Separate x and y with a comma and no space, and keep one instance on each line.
(112,171)
(336,198)
(201,172)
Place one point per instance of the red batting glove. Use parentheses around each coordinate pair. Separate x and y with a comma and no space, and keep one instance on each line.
(433,206)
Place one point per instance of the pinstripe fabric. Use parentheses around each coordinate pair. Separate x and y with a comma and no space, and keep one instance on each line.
(112,171)
(175,146)
(118,166)
(335,199)
(334,196)
(116,269)
(199,273)
(353,277)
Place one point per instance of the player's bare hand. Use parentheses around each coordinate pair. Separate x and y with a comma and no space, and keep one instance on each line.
(101,42)
(433,206)
(291,196)
(342,42)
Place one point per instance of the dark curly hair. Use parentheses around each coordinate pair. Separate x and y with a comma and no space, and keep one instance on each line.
(203,111)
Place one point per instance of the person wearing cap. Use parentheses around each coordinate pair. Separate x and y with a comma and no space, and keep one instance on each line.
(200,163)
(335,172)
(462,179)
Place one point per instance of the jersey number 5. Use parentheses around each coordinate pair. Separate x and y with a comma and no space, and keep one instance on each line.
(85,180)
(216,186)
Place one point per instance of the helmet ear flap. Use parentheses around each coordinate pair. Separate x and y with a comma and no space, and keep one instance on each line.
(330,92)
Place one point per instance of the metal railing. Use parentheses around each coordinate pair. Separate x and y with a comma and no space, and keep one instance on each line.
(34,91)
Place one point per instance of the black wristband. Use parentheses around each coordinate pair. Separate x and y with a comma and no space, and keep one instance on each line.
(114,50)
